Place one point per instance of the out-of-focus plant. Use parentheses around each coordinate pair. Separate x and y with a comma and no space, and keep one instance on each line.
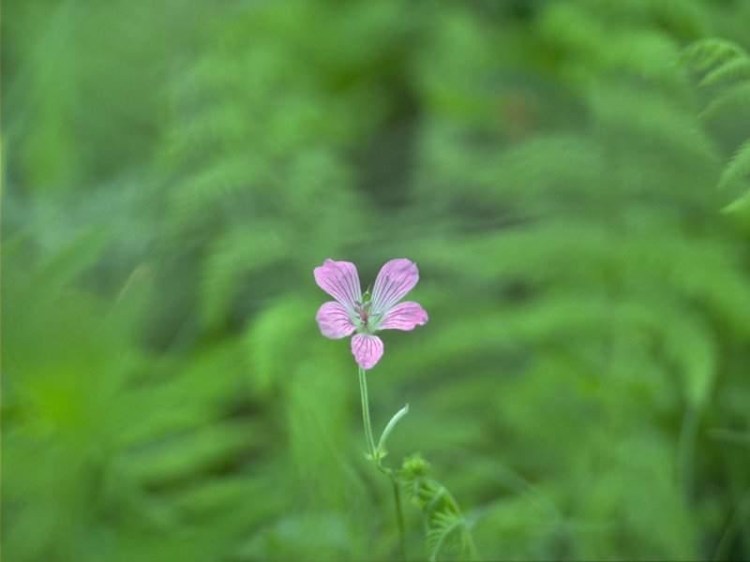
(723,72)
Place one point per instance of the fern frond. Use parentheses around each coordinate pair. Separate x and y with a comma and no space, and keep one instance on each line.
(215,186)
(738,168)
(710,53)
(737,68)
(653,118)
(242,251)
(441,525)
(732,98)
(442,515)
(727,69)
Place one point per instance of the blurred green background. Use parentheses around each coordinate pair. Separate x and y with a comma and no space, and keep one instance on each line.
(174,171)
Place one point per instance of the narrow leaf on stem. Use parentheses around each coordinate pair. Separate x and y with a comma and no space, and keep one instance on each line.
(389,428)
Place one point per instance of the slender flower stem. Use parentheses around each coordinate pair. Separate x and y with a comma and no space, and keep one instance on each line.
(375,455)
(366,412)
(399,513)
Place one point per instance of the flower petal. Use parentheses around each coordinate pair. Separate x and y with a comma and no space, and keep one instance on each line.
(340,280)
(367,350)
(404,316)
(333,321)
(396,278)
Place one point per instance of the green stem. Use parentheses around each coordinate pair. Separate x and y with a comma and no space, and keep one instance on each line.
(374,455)
(399,514)
(366,412)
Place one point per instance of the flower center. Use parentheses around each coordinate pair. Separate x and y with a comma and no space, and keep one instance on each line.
(365,321)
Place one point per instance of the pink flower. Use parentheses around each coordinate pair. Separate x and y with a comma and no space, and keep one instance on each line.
(351,312)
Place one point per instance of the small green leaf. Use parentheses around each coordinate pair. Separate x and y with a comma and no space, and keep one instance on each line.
(381,451)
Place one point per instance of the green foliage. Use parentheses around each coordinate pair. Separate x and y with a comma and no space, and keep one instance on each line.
(174,173)
(723,67)
(442,516)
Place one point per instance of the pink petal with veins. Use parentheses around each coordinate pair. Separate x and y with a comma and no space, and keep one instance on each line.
(396,278)
(404,316)
(333,321)
(340,280)
(367,350)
